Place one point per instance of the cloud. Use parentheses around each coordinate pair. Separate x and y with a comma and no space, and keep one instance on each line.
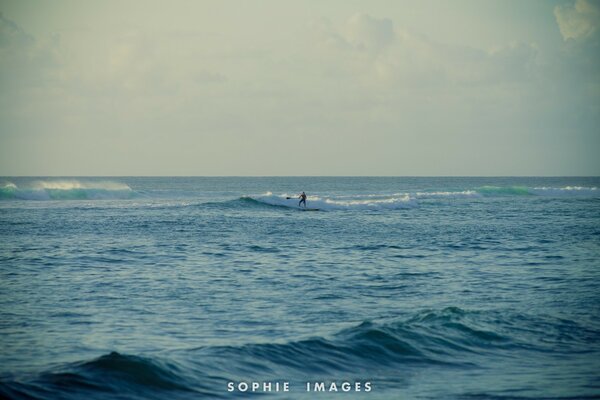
(579,20)
(12,35)
(367,33)
(25,61)
(357,84)
(137,64)
(373,50)
(131,62)
(579,63)
(142,63)
(361,32)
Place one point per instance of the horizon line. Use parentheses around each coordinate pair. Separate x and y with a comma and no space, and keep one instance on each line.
(299,176)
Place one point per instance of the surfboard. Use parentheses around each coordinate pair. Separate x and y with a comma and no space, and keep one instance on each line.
(310,209)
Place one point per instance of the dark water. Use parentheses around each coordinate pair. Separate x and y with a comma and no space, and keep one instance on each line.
(170,288)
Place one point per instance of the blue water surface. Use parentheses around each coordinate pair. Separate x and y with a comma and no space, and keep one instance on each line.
(156,288)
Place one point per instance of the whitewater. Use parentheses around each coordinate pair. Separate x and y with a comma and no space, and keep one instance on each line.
(154,288)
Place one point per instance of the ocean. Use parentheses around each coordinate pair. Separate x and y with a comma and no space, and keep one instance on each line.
(397,288)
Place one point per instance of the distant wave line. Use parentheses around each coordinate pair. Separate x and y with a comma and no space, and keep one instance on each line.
(66,190)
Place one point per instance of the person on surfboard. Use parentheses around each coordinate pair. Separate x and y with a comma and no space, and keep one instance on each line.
(302,198)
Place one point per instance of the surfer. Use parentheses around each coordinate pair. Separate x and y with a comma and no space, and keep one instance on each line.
(302,198)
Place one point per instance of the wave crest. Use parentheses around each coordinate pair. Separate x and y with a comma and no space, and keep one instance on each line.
(411,199)
(66,190)
(356,203)
(449,337)
(135,369)
(444,337)
(491,191)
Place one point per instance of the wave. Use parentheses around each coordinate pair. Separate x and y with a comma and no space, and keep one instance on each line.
(327,204)
(402,200)
(91,189)
(452,337)
(111,375)
(447,194)
(565,191)
(66,190)
(448,338)
(490,191)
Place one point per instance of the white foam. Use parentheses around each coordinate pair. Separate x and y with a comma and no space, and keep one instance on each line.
(291,201)
(565,191)
(75,184)
(57,189)
(465,193)
(9,185)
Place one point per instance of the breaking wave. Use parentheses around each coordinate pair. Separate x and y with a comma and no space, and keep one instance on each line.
(411,199)
(92,189)
(490,191)
(326,204)
(566,191)
(66,190)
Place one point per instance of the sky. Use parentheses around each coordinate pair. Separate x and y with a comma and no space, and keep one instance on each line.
(281,87)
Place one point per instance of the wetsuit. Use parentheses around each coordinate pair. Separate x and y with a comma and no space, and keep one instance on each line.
(302,200)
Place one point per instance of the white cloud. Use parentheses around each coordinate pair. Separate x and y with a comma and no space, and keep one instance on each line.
(137,65)
(26,62)
(578,20)
(236,93)
(372,50)
(367,33)
(361,32)
(12,35)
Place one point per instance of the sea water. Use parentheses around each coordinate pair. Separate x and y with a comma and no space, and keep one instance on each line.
(187,288)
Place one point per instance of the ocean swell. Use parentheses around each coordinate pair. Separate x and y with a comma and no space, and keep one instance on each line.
(446,338)
(328,204)
(52,189)
(492,191)
(403,200)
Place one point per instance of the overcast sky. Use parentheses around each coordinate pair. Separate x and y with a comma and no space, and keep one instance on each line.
(337,87)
